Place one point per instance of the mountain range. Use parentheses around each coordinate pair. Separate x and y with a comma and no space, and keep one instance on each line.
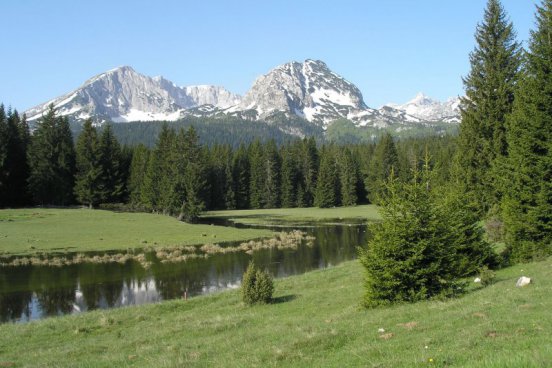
(307,91)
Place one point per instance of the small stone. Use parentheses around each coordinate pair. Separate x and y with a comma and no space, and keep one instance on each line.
(523,281)
(381,330)
(477,279)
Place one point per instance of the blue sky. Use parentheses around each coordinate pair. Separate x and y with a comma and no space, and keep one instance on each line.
(391,49)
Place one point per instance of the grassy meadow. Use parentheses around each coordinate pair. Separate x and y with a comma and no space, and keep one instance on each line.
(315,321)
(314,214)
(26,231)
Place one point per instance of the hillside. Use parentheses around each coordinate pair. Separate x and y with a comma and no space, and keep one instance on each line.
(323,326)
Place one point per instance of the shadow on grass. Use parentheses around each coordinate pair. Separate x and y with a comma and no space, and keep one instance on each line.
(284,299)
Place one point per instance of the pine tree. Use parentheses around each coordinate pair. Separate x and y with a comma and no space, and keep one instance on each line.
(112,182)
(409,257)
(384,161)
(240,175)
(257,175)
(138,169)
(490,86)
(271,163)
(14,170)
(3,156)
(348,177)
(190,178)
(327,188)
(88,180)
(289,178)
(527,202)
(309,165)
(52,161)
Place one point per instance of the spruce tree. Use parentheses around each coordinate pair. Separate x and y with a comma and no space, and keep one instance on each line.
(348,177)
(490,85)
(112,183)
(190,178)
(240,177)
(257,175)
(409,257)
(327,188)
(272,165)
(52,161)
(384,161)
(138,169)
(88,178)
(14,169)
(527,202)
(289,177)
(3,156)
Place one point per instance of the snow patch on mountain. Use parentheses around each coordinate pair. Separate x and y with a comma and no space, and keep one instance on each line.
(428,109)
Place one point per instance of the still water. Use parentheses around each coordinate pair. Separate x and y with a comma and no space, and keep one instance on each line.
(34,292)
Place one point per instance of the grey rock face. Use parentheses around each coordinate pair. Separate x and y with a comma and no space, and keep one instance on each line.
(309,90)
(123,95)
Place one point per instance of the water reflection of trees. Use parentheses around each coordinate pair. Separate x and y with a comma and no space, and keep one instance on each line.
(48,291)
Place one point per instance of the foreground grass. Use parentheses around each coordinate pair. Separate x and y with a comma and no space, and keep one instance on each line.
(315,322)
(25,231)
(269,216)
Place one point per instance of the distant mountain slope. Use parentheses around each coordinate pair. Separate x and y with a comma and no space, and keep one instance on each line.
(428,109)
(124,95)
(289,97)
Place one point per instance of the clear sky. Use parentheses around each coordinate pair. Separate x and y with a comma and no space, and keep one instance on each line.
(391,49)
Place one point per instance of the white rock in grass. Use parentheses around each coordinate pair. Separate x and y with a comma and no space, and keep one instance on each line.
(477,279)
(381,330)
(523,281)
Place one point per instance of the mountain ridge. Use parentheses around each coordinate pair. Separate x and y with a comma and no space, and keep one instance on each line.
(307,90)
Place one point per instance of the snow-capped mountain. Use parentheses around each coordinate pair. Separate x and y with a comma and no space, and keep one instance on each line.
(307,91)
(428,109)
(123,95)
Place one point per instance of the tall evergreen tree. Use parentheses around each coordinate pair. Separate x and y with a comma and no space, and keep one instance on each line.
(327,187)
(240,175)
(190,179)
(112,182)
(138,169)
(348,177)
(88,179)
(14,169)
(271,161)
(309,165)
(289,178)
(257,175)
(384,161)
(52,161)
(490,85)
(527,202)
(3,156)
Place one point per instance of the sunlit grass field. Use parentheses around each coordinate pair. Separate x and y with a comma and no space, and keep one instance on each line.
(315,321)
(25,231)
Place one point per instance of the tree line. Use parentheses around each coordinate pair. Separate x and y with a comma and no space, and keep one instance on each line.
(181,177)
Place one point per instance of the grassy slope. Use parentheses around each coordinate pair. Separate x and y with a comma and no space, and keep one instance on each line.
(364,212)
(316,322)
(30,230)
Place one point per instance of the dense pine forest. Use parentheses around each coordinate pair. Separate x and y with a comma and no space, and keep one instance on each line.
(181,177)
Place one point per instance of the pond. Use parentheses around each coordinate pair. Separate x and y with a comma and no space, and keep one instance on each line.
(31,292)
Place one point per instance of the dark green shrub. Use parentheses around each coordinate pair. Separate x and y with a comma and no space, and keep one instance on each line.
(257,286)
(487,276)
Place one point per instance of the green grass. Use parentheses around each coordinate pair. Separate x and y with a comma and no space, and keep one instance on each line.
(267,216)
(315,322)
(25,231)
